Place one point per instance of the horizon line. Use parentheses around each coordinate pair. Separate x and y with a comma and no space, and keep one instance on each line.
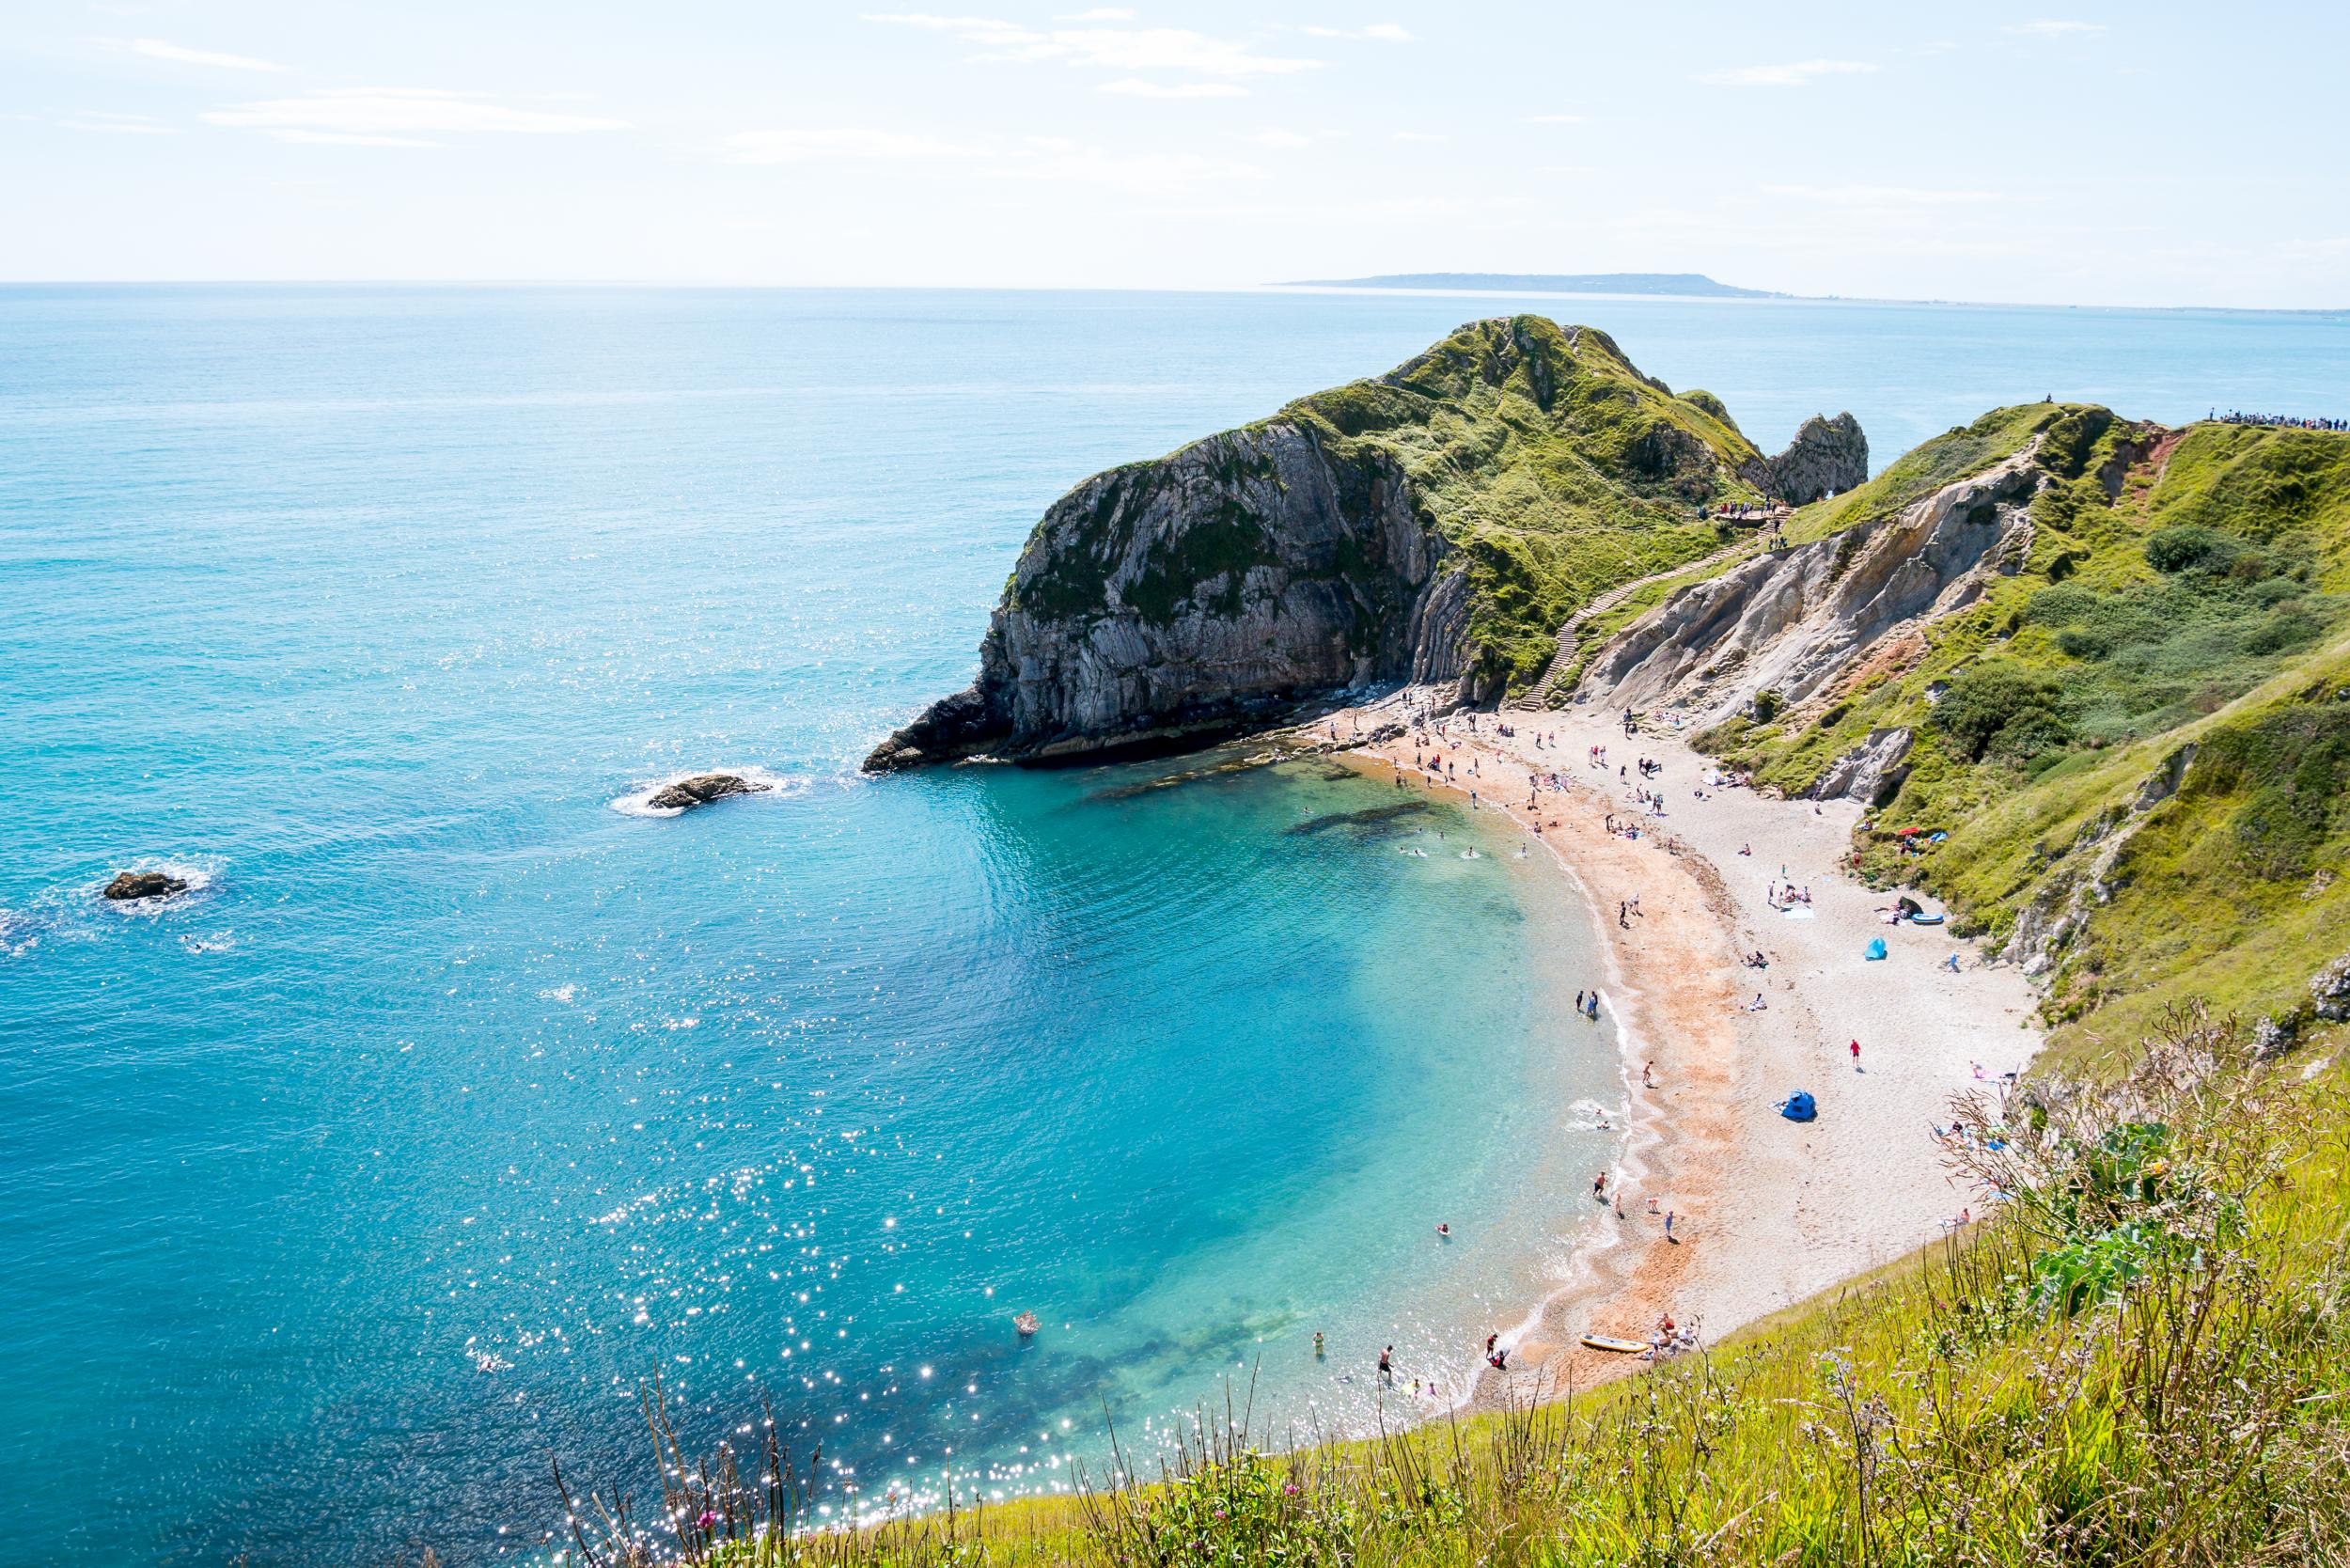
(1763,298)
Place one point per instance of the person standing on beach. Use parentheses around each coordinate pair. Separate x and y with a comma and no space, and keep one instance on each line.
(1387,1367)
(1856,1056)
(1669,1227)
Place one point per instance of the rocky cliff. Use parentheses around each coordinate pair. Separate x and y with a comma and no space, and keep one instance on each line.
(1791,622)
(1826,458)
(1201,592)
(1434,524)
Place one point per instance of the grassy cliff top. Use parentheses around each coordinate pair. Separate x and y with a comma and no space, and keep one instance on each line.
(1545,454)
(2183,620)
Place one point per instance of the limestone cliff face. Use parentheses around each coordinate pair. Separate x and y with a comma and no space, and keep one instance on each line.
(1436,524)
(1792,622)
(1201,592)
(1826,458)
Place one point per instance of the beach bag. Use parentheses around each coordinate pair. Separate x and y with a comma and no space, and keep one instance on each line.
(1876,948)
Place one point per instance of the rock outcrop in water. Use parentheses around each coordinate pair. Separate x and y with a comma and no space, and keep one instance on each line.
(1436,525)
(129,886)
(701,789)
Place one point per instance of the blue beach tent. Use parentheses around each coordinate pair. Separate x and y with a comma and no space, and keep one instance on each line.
(1799,1106)
(1876,948)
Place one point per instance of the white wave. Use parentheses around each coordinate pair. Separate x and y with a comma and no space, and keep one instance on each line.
(217,942)
(1590,1116)
(638,802)
(558,992)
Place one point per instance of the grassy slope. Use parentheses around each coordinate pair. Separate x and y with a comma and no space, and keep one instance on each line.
(2228,891)
(2182,1399)
(1551,462)
(2140,1360)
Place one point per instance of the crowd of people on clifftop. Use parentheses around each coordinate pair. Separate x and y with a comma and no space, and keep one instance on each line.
(2281,421)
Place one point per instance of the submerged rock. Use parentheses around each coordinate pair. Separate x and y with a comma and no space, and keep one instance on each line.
(701,789)
(129,886)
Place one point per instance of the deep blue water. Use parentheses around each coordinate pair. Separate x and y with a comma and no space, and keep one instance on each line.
(460,1100)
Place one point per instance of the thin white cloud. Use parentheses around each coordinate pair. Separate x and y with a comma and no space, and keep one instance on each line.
(396,116)
(1052,161)
(159,49)
(1135,86)
(1882,196)
(1121,49)
(119,125)
(350,138)
(1099,13)
(838,145)
(1798,74)
(1378,32)
(2054,29)
(1552,119)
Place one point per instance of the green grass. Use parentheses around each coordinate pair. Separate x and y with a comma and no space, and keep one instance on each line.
(1965,449)
(2196,593)
(1555,466)
(2141,1358)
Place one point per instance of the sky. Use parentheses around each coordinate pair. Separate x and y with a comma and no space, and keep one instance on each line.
(2158,153)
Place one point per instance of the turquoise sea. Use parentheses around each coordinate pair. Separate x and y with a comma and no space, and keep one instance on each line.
(463,1097)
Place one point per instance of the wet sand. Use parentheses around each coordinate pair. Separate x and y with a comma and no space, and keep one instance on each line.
(1766,1211)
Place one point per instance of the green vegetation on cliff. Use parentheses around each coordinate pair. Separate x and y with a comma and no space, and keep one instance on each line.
(1546,457)
(2139,1357)
(2139,745)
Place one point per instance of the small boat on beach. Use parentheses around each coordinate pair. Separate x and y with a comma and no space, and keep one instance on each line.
(1028,1325)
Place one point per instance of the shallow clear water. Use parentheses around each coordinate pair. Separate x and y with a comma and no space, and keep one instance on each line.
(460,1099)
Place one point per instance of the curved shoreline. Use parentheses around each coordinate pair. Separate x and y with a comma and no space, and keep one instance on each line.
(1767,1212)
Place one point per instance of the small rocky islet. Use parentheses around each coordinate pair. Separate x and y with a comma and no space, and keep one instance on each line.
(701,789)
(135,887)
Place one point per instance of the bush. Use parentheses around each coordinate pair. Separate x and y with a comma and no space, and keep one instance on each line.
(1999,707)
(1766,705)
(2188,547)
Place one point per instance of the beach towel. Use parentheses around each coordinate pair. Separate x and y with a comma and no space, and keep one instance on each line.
(1876,948)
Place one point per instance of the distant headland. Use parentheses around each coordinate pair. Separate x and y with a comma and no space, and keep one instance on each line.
(1687,285)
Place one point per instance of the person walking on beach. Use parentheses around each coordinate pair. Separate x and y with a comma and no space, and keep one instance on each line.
(1648,1074)
(1856,1056)
(1669,1227)
(1599,1187)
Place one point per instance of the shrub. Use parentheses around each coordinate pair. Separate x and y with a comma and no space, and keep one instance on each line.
(1999,707)
(2188,547)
